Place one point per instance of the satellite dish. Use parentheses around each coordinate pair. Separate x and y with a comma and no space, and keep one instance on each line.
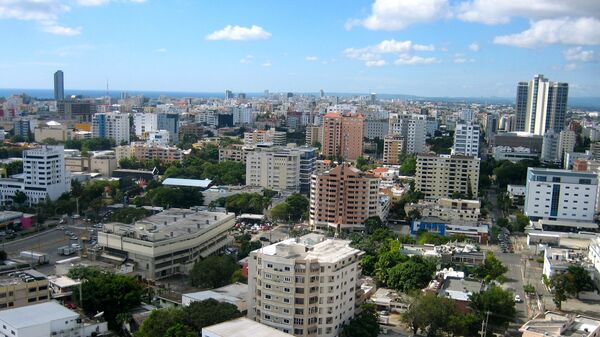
(98,315)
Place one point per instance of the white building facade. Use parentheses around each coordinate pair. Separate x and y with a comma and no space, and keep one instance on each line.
(144,122)
(113,125)
(466,140)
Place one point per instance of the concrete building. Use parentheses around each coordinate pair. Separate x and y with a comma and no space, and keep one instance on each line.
(442,176)
(594,258)
(52,130)
(242,114)
(48,319)
(541,105)
(566,143)
(314,135)
(113,125)
(235,152)
(550,324)
(144,122)
(343,198)
(167,243)
(550,147)
(304,286)
(455,211)
(144,151)
(560,194)
(21,288)
(513,154)
(104,164)
(78,110)
(277,169)
(375,128)
(413,128)
(393,148)
(558,260)
(236,294)
(158,137)
(44,176)
(241,327)
(517,139)
(277,138)
(466,140)
(343,135)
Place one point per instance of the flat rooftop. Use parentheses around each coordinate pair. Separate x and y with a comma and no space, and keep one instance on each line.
(460,289)
(197,183)
(170,223)
(36,314)
(232,293)
(21,277)
(551,324)
(243,327)
(311,247)
(564,223)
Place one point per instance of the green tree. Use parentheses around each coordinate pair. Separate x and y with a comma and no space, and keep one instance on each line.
(581,279)
(563,285)
(503,222)
(431,314)
(280,212)
(180,330)
(209,312)
(364,324)
(107,292)
(372,224)
(520,222)
(409,166)
(412,274)
(19,198)
(159,321)
(298,206)
(499,303)
(213,272)
(491,268)
(129,214)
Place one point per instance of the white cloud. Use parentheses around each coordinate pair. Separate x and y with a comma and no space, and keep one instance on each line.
(376,63)
(461,58)
(161,50)
(311,58)
(582,31)
(57,29)
(570,67)
(246,59)
(501,11)
(93,3)
(474,47)
(578,54)
(266,64)
(238,33)
(398,14)
(413,59)
(423,47)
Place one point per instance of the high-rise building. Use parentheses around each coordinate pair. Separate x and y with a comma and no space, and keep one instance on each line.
(274,168)
(277,138)
(44,176)
(447,176)
(78,110)
(112,125)
(343,135)
(376,128)
(314,135)
(228,94)
(393,147)
(343,198)
(144,122)
(560,194)
(169,122)
(466,139)
(550,149)
(411,127)
(566,143)
(491,127)
(305,286)
(541,105)
(59,85)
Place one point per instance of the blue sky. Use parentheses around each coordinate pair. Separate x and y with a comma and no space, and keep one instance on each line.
(422,47)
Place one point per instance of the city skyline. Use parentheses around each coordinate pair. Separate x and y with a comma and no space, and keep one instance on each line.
(443,49)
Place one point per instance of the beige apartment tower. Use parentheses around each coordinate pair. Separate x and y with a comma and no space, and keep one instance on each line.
(304,286)
(447,176)
(343,198)
(393,147)
(343,135)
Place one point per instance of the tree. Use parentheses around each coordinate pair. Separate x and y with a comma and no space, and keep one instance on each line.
(180,330)
(581,279)
(280,212)
(246,246)
(364,324)
(107,292)
(562,285)
(298,206)
(2,255)
(213,272)
(520,222)
(19,198)
(159,321)
(409,166)
(412,274)
(372,224)
(499,303)
(129,214)
(491,268)
(432,315)
(503,222)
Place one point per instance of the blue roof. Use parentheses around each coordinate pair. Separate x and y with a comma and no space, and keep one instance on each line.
(199,183)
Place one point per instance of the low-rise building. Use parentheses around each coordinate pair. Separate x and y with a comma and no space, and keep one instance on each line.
(104,164)
(48,319)
(21,288)
(52,130)
(235,294)
(235,152)
(558,260)
(167,243)
(594,258)
(459,290)
(452,210)
(144,151)
(241,327)
(513,154)
(477,232)
(550,324)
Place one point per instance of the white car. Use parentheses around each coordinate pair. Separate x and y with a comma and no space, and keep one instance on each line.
(518,299)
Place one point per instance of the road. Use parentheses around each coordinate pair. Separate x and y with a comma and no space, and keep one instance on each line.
(514,284)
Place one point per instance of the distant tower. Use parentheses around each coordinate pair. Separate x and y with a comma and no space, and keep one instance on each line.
(59,86)
(373,98)
(322,93)
(228,94)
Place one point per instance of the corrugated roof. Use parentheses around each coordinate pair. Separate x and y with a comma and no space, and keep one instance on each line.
(200,183)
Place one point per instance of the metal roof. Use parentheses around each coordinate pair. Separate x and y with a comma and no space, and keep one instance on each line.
(200,183)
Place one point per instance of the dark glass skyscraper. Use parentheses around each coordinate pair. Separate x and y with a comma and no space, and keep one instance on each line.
(59,86)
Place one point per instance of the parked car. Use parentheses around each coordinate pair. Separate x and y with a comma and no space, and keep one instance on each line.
(518,299)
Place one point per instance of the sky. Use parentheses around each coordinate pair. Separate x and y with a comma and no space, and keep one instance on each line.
(455,48)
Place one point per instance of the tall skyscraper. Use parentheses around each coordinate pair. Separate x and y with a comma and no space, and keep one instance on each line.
(412,128)
(541,105)
(59,85)
(343,135)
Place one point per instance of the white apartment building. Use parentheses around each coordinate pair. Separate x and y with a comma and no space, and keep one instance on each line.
(466,139)
(242,114)
(304,286)
(560,194)
(375,128)
(412,127)
(167,243)
(441,176)
(113,125)
(144,122)
(44,176)
(275,168)
(594,257)
(158,137)
(278,138)
(46,320)
(455,211)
